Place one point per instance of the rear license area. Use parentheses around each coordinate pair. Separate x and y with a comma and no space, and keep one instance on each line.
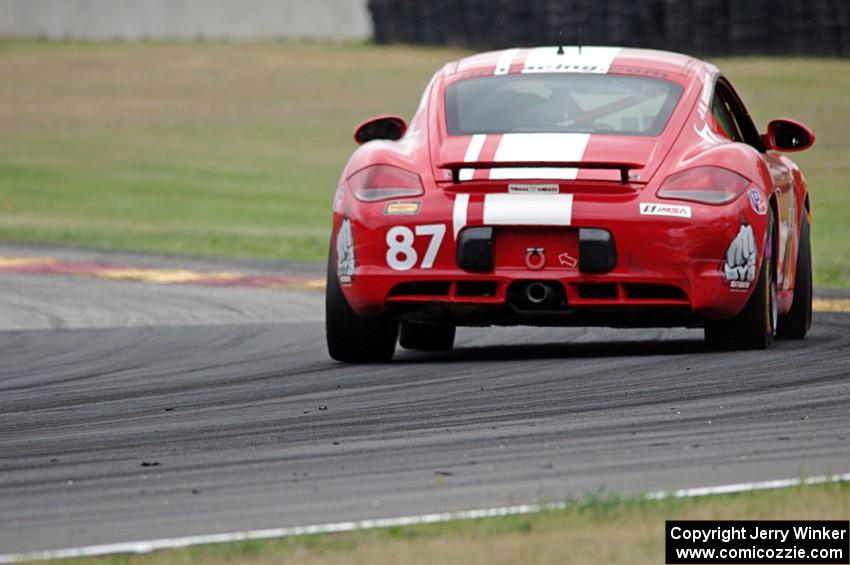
(536,248)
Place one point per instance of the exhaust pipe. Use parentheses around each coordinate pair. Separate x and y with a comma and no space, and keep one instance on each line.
(537,293)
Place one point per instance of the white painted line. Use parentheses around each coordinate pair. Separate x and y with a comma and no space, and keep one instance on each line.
(340,527)
(747,487)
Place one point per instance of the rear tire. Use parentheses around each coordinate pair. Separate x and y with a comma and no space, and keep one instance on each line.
(352,338)
(755,326)
(426,337)
(796,323)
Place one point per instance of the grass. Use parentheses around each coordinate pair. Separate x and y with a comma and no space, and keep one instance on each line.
(205,148)
(235,149)
(595,530)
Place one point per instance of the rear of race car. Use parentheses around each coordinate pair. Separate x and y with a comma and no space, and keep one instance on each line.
(482,219)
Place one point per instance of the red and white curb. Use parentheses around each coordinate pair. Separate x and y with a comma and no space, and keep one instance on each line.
(51,266)
(103,271)
(341,527)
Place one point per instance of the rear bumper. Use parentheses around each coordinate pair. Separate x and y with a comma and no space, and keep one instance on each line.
(615,299)
(458,314)
(668,271)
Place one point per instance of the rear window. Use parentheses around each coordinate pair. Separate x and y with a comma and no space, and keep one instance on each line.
(560,103)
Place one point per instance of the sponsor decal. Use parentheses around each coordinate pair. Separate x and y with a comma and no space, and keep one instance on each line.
(570,59)
(757,201)
(402,208)
(338,197)
(703,107)
(534,188)
(739,263)
(567,260)
(709,136)
(656,209)
(705,95)
(786,228)
(345,252)
(528,209)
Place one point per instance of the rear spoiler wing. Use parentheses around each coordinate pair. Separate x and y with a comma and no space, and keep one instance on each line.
(624,168)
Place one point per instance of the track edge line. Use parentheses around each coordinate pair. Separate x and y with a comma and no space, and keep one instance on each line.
(148,546)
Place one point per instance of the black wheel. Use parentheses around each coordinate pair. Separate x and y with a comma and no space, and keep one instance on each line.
(755,326)
(352,338)
(796,323)
(426,337)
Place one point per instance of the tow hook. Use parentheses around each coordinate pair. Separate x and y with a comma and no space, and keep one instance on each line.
(535,258)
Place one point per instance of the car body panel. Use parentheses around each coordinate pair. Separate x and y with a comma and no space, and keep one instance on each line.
(684,255)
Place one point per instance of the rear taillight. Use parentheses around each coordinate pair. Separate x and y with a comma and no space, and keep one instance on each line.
(381,182)
(709,185)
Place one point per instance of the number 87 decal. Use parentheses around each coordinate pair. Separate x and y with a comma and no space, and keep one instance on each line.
(401,255)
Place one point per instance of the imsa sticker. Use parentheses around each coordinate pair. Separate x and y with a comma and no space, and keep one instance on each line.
(655,209)
(345,262)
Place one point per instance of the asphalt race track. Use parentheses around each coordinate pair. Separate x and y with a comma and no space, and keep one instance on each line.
(132,411)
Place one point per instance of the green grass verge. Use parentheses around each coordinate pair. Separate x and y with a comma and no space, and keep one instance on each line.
(235,149)
(595,530)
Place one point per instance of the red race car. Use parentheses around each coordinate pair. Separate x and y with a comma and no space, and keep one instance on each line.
(570,186)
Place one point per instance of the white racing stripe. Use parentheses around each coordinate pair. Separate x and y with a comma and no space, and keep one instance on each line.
(528,209)
(588,60)
(459,213)
(339,527)
(503,65)
(540,147)
(473,150)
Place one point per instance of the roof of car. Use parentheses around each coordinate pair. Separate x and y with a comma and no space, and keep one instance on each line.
(574,58)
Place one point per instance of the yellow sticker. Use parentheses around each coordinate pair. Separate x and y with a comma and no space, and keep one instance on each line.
(402,208)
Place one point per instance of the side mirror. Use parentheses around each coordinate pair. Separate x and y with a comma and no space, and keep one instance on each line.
(383,127)
(788,135)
